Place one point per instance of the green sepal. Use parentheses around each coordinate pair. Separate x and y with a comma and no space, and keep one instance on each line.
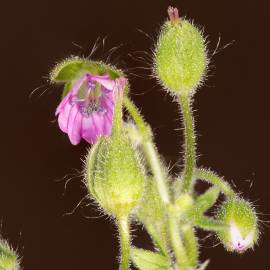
(152,215)
(148,260)
(67,88)
(207,223)
(8,257)
(74,67)
(205,201)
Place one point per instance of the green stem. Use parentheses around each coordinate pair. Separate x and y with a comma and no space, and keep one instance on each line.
(150,150)
(190,143)
(177,243)
(216,180)
(152,157)
(118,114)
(134,112)
(125,242)
(191,244)
(155,164)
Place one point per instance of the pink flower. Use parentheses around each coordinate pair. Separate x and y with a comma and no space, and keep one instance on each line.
(87,110)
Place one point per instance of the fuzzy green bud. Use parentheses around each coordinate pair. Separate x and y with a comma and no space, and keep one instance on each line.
(8,257)
(180,59)
(242,231)
(115,175)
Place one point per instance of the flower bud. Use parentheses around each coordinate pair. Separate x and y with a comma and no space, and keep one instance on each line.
(180,55)
(8,257)
(242,231)
(115,175)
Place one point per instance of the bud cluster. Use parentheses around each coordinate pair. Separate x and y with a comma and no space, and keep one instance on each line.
(125,174)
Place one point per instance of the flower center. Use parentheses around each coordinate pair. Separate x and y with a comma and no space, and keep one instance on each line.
(88,98)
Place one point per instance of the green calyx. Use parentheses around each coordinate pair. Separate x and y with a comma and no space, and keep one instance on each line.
(241,219)
(8,257)
(180,59)
(73,68)
(115,175)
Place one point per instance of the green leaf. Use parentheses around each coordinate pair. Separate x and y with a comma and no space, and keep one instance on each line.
(207,200)
(148,260)
(73,68)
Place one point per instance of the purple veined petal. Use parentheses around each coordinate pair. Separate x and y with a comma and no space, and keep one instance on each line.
(98,119)
(71,93)
(74,125)
(64,117)
(106,102)
(106,82)
(88,132)
(62,104)
(78,84)
(107,124)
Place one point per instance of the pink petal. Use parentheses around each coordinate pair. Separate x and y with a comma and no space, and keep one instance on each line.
(63,117)
(107,83)
(71,93)
(74,125)
(98,122)
(89,132)
(107,125)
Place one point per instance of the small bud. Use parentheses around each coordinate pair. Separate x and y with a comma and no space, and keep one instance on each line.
(242,231)
(8,258)
(115,175)
(180,55)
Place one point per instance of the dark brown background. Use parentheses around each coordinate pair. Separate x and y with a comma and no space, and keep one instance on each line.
(231,118)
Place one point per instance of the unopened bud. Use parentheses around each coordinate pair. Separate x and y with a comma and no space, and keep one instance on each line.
(242,231)
(115,175)
(8,258)
(180,55)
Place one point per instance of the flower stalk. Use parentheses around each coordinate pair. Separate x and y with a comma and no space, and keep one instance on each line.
(123,224)
(189,145)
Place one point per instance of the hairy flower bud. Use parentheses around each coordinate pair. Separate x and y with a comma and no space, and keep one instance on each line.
(114,175)
(8,257)
(180,55)
(242,231)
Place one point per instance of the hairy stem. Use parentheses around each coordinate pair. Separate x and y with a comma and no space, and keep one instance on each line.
(150,150)
(191,244)
(216,180)
(177,243)
(134,112)
(155,164)
(124,242)
(190,143)
(152,157)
